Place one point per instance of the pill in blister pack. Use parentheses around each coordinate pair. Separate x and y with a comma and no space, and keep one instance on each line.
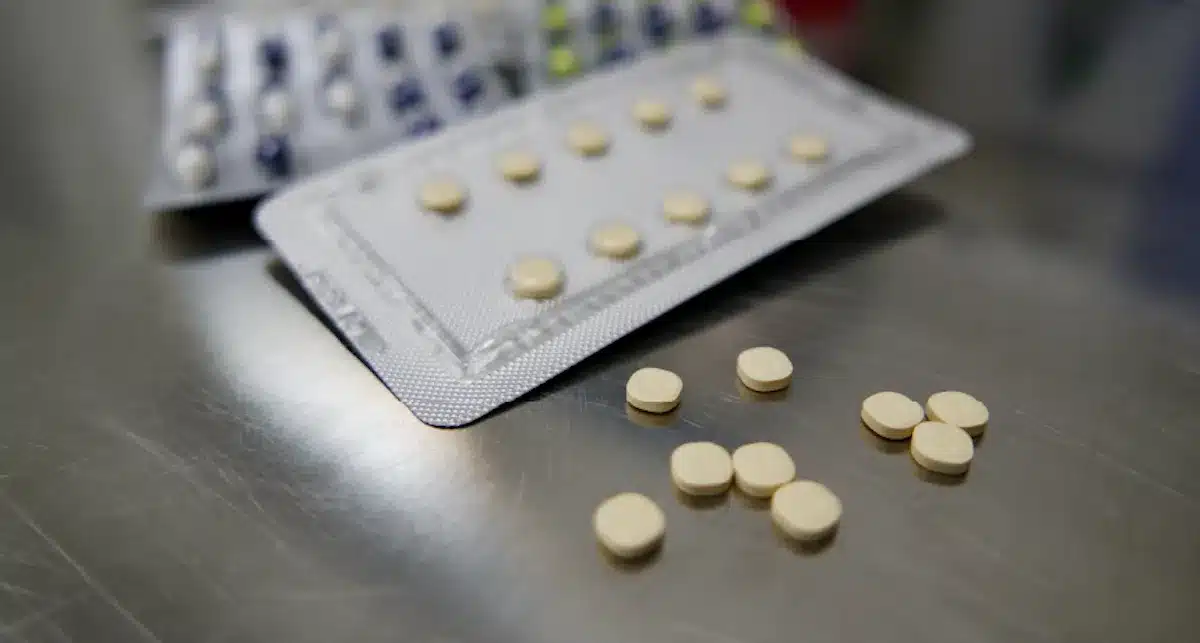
(254,101)
(464,285)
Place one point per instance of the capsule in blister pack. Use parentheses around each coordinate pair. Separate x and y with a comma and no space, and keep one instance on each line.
(254,101)
(470,267)
(567,38)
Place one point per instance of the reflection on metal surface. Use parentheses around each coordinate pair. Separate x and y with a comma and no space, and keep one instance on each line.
(651,420)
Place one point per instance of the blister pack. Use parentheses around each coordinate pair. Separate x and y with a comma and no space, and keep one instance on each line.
(468,268)
(256,100)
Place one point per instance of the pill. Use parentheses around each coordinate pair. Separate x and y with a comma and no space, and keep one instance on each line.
(806,510)
(195,166)
(942,448)
(519,166)
(701,468)
(685,207)
(446,39)
(274,156)
(390,42)
(272,53)
(425,125)
(760,468)
(588,139)
(891,415)
(468,87)
(958,409)
(708,19)
(562,62)
(749,175)
(808,148)
(556,18)
(708,92)
(342,97)
(204,118)
(442,195)
(629,525)
(535,278)
(653,390)
(656,23)
(276,109)
(652,114)
(405,95)
(615,241)
(764,369)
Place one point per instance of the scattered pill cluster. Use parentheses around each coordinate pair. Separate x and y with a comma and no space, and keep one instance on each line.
(631,525)
(618,240)
(944,442)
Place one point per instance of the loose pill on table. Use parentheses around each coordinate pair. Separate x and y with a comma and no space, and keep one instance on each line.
(749,175)
(709,92)
(809,149)
(958,409)
(519,166)
(652,114)
(588,139)
(629,525)
(535,278)
(764,369)
(942,448)
(195,165)
(615,241)
(806,510)
(891,415)
(653,390)
(442,195)
(701,468)
(685,207)
(761,467)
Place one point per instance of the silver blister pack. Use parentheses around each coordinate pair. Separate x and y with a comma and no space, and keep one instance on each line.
(422,297)
(256,100)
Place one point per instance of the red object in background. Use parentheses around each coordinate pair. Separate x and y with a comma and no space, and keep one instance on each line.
(818,12)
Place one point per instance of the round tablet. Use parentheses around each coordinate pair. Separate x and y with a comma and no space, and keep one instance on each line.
(342,98)
(761,467)
(653,390)
(535,278)
(685,207)
(442,195)
(709,92)
(764,369)
(942,448)
(809,149)
(701,468)
(195,166)
(959,409)
(204,118)
(749,175)
(652,114)
(519,166)
(891,415)
(276,110)
(806,510)
(615,241)
(629,525)
(588,139)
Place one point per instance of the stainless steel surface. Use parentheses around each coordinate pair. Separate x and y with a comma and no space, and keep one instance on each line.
(187,454)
